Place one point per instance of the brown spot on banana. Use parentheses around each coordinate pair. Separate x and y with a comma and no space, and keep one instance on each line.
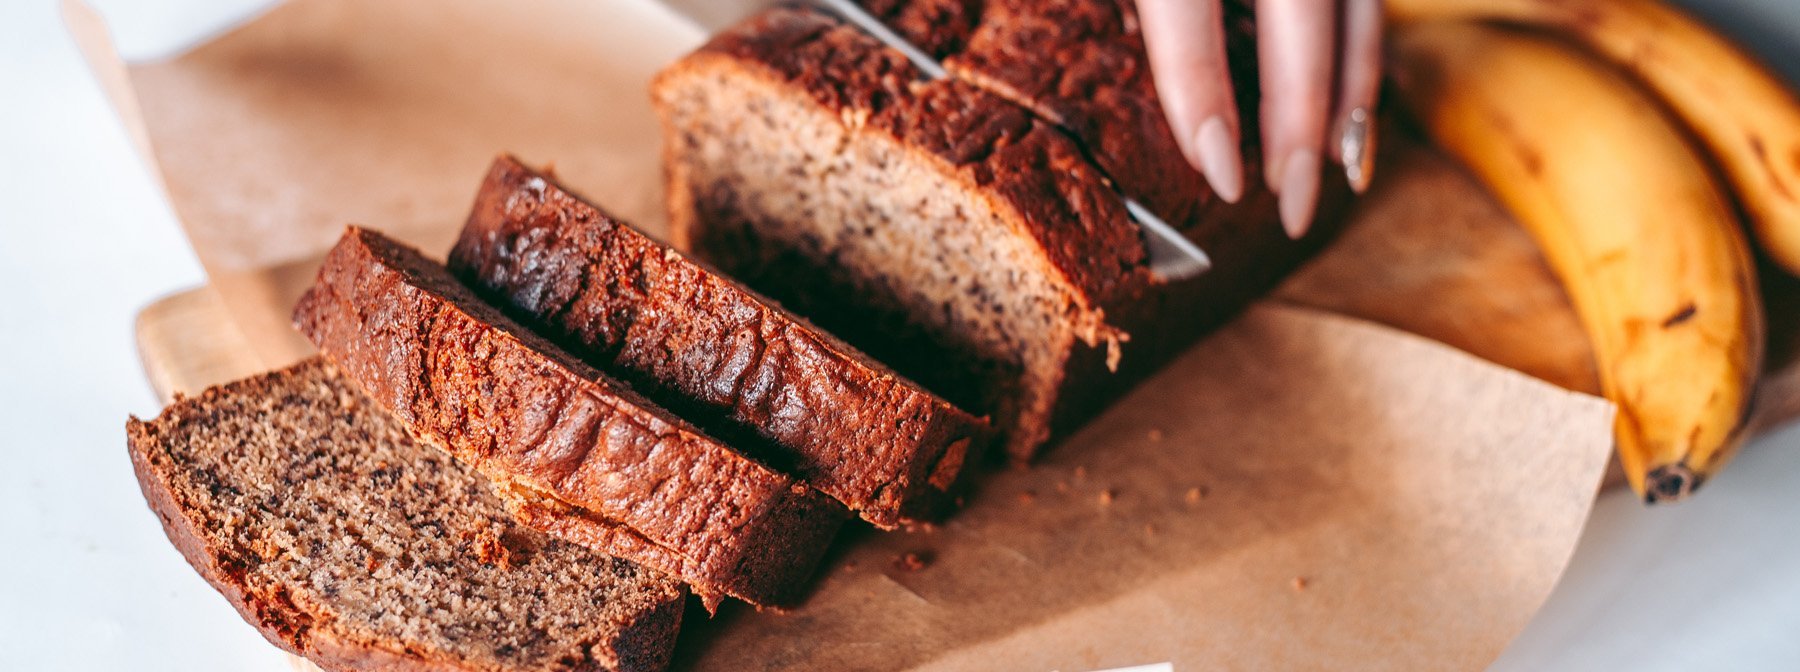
(1762,159)
(1609,258)
(1528,155)
(1686,313)
(1534,162)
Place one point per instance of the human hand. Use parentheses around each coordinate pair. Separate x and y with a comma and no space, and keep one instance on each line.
(1319,67)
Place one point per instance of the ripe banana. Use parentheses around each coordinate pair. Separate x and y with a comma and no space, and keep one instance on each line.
(1749,121)
(1628,216)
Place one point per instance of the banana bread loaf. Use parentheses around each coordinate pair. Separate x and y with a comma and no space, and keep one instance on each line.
(570,450)
(945,229)
(343,541)
(712,350)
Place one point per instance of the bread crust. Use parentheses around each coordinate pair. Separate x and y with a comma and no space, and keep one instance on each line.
(466,379)
(717,352)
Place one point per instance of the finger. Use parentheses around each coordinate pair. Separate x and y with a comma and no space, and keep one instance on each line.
(1186,41)
(1359,83)
(1295,47)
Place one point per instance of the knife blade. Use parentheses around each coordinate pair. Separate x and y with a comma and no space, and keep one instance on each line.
(1172,256)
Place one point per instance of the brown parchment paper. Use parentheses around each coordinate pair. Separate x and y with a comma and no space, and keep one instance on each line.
(1360,497)
(272,137)
(1294,493)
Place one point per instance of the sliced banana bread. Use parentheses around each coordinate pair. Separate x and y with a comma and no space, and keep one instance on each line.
(570,450)
(344,541)
(943,228)
(712,350)
(938,227)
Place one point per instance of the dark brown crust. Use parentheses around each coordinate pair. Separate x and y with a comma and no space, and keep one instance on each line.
(711,349)
(529,416)
(644,644)
(1034,171)
(1081,64)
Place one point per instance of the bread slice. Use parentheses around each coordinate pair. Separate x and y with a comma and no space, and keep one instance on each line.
(344,541)
(940,226)
(712,350)
(571,451)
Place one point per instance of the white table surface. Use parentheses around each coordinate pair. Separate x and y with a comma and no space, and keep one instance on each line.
(88,582)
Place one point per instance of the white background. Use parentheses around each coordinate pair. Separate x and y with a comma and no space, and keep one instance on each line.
(88,582)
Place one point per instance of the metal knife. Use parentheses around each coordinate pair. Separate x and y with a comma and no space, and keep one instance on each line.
(1172,256)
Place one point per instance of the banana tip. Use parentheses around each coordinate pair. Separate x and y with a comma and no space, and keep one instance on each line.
(1670,483)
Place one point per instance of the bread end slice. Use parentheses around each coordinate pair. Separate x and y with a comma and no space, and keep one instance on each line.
(345,542)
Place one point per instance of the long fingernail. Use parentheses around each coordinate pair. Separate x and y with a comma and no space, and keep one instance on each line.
(1358,148)
(1219,160)
(1299,191)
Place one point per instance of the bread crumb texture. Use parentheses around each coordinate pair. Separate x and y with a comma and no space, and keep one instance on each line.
(345,541)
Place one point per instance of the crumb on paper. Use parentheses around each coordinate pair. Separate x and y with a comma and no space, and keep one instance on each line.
(912,561)
(1195,494)
(1156,435)
(1300,583)
(1107,496)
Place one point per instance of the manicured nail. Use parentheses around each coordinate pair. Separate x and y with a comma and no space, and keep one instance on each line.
(1219,160)
(1299,191)
(1358,148)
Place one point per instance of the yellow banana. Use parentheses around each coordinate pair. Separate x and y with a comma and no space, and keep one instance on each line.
(1748,119)
(1628,216)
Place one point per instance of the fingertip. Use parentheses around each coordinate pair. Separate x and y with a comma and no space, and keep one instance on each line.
(1216,156)
(1299,193)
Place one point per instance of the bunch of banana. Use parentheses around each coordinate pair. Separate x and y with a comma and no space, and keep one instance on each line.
(1627,213)
(1748,120)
